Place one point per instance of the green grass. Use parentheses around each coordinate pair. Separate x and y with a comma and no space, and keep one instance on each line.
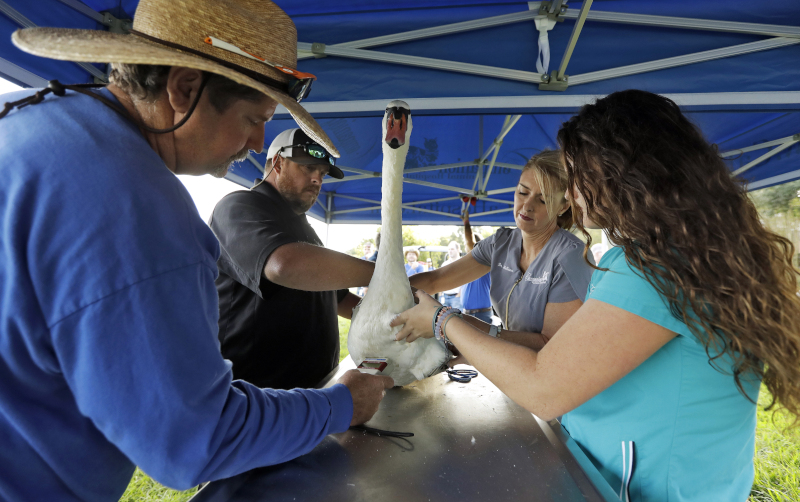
(144,489)
(777,459)
(344,328)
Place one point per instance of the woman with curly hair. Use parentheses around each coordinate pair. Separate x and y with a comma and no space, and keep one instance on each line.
(658,373)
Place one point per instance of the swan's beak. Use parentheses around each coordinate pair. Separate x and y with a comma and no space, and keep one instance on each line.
(396,125)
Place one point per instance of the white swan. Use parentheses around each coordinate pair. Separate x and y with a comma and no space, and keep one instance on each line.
(389,291)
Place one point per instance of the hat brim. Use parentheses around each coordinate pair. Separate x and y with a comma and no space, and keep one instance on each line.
(94,46)
(333,171)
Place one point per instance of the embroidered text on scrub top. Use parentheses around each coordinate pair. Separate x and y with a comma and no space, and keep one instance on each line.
(538,280)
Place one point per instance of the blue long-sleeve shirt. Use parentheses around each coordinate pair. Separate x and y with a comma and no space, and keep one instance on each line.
(108,322)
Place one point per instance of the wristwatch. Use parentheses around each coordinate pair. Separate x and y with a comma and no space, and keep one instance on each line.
(495,330)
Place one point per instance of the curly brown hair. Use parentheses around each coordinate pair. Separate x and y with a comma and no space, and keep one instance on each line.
(662,192)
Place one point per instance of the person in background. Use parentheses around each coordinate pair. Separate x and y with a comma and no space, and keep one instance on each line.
(367,251)
(428,264)
(280,290)
(374,256)
(109,356)
(367,255)
(538,276)
(475,297)
(452,296)
(413,266)
(693,309)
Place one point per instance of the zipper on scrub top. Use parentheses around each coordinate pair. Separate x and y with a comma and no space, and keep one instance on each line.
(508,298)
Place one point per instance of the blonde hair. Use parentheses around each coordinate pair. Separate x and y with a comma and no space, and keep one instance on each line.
(551,176)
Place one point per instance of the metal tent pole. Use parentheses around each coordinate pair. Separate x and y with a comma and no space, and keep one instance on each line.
(255,163)
(557,80)
(84,9)
(774,180)
(698,57)
(304,50)
(510,122)
(20,74)
(436,64)
(23,21)
(778,149)
(760,146)
(546,103)
(770,30)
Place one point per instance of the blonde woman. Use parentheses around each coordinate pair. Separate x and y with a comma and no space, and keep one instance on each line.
(538,275)
(658,373)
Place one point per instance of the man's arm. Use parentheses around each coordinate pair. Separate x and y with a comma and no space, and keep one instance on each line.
(207,427)
(314,268)
(346,306)
(468,231)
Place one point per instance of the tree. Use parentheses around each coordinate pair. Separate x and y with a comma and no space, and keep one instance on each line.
(780,199)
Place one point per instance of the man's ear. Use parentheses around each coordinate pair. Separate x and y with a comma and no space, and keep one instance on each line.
(182,87)
(277,164)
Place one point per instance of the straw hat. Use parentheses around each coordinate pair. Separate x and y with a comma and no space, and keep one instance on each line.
(173,33)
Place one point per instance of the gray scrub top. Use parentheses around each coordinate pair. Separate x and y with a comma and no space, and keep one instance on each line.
(559,274)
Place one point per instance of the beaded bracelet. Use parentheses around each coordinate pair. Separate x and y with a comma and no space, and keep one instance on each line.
(435,315)
(437,332)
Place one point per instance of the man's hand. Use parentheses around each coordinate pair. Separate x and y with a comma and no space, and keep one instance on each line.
(367,392)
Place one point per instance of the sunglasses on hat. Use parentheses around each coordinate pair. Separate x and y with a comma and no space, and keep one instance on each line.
(298,89)
(313,150)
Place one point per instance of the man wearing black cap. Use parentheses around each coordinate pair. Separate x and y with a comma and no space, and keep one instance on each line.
(280,290)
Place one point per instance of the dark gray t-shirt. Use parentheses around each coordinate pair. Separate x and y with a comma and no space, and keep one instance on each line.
(558,274)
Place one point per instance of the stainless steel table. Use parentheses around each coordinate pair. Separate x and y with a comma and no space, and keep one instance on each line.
(470,443)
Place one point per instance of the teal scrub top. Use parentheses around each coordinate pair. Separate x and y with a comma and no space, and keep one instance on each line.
(675,428)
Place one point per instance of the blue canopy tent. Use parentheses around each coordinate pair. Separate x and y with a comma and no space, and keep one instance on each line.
(480,104)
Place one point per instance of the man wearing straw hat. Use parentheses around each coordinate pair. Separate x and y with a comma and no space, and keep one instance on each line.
(108,311)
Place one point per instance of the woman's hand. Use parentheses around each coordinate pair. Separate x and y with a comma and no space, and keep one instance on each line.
(417,321)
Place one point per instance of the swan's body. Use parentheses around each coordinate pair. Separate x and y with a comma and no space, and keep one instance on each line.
(389,291)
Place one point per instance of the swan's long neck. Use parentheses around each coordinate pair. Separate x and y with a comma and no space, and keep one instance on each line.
(390,254)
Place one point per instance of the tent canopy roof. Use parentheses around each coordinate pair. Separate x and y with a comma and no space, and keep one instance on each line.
(470,70)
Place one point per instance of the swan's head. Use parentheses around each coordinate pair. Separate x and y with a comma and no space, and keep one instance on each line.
(396,124)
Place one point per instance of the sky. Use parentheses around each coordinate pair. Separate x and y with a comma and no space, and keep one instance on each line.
(206,191)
